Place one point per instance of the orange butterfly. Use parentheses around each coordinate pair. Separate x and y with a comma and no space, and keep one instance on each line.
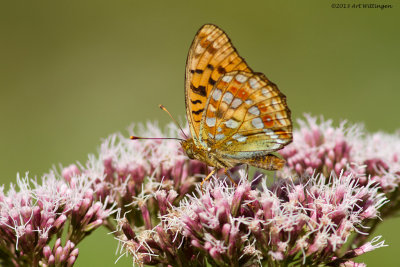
(236,116)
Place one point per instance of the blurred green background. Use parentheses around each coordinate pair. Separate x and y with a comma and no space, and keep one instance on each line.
(72,72)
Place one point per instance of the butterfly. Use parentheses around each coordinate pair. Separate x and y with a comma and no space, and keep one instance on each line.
(236,116)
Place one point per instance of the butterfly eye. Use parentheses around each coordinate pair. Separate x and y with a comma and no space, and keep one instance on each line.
(188,148)
(189,153)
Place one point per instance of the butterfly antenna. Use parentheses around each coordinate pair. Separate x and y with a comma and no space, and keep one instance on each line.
(154,138)
(163,108)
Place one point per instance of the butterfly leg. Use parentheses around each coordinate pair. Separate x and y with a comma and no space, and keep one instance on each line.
(205,179)
(230,178)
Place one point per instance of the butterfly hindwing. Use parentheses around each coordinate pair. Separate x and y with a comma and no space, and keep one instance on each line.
(211,55)
(246,116)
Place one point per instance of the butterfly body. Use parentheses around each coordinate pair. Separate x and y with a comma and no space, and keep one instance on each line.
(219,160)
(236,116)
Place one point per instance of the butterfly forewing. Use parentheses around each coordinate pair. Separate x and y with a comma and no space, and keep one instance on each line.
(235,115)
(245,116)
(211,55)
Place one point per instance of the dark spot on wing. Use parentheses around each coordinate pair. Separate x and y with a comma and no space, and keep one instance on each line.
(201,90)
(221,70)
(196,101)
(197,112)
(199,71)
(211,81)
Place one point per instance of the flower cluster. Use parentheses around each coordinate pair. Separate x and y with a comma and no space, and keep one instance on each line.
(33,215)
(323,148)
(305,223)
(319,211)
(126,169)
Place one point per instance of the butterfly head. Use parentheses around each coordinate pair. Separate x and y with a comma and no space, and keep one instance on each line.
(207,156)
(189,147)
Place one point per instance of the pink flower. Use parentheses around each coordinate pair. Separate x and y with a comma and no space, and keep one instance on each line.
(323,148)
(239,225)
(30,217)
(60,256)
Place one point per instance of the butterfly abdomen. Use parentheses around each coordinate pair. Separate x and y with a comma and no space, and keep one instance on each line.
(268,162)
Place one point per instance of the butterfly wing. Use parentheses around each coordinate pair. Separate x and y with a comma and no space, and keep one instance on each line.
(211,55)
(246,117)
